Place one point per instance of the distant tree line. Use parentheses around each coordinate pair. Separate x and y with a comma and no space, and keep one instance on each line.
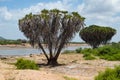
(19,41)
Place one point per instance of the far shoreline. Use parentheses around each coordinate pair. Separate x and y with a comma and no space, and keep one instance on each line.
(27,45)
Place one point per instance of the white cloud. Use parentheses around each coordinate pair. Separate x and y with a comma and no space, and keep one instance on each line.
(101,11)
(19,13)
(40,6)
(62,5)
(5,14)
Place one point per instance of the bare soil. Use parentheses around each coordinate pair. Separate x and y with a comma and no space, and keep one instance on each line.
(72,65)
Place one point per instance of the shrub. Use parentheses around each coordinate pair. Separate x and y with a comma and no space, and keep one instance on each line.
(78,50)
(68,51)
(69,78)
(116,45)
(114,57)
(89,57)
(109,74)
(88,54)
(86,50)
(109,52)
(26,64)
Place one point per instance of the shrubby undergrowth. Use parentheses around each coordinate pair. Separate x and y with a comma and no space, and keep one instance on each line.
(68,51)
(26,64)
(69,78)
(109,74)
(108,52)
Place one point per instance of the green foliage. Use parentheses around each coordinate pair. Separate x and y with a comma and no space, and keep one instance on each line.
(109,74)
(88,56)
(78,50)
(69,78)
(116,45)
(68,51)
(109,52)
(96,35)
(26,64)
(5,42)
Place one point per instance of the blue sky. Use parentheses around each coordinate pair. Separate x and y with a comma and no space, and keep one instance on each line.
(99,12)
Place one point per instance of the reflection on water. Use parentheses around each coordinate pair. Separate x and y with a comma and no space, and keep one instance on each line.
(27,51)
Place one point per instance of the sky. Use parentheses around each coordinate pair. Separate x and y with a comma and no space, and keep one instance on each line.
(98,12)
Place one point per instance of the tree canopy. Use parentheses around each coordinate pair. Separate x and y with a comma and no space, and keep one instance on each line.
(96,35)
(54,28)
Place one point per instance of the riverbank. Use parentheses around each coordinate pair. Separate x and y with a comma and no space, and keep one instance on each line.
(26,49)
(72,65)
(26,45)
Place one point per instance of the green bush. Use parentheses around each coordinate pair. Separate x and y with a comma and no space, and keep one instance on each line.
(89,56)
(78,50)
(114,57)
(26,64)
(86,50)
(109,52)
(109,74)
(116,45)
(68,51)
(69,78)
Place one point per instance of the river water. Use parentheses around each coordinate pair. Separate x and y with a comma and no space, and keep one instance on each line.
(7,51)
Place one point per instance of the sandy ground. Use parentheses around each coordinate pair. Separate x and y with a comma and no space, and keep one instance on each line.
(72,65)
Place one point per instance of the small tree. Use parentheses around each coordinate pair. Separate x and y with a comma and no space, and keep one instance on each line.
(96,35)
(54,28)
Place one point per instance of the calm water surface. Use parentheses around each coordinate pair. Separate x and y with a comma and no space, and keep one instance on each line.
(27,51)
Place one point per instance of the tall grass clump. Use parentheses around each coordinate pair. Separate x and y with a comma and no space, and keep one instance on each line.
(68,51)
(69,78)
(26,64)
(109,52)
(109,74)
(88,54)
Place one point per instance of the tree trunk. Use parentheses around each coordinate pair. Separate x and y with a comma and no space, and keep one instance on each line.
(52,61)
(94,46)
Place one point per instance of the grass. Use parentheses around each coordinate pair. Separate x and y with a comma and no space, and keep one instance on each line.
(109,74)
(69,78)
(5,42)
(89,57)
(68,51)
(26,64)
(109,52)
